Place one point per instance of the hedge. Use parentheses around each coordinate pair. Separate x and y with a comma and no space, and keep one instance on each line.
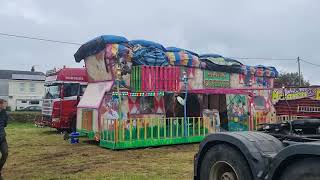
(23,116)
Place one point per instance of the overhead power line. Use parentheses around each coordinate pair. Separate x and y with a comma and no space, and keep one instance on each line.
(310,63)
(75,43)
(271,59)
(38,39)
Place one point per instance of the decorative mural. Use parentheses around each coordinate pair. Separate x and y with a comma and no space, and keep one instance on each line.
(237,110)
(109,111)
(258,76)
(262,109)
(146,105)
(96,70)
(195,78)
(101,66)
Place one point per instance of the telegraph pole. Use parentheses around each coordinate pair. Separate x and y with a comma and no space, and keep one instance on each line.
(298,59)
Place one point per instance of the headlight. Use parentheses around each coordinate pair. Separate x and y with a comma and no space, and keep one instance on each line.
(55,119)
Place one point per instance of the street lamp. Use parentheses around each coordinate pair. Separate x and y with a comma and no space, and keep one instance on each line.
(185,81)
(284,96)
(118,79)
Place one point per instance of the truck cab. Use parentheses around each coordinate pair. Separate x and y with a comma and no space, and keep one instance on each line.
(63,90)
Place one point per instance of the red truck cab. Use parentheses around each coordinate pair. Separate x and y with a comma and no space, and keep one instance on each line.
(63,89)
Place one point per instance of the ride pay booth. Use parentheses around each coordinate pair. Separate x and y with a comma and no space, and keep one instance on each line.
(213,118)
(88,109)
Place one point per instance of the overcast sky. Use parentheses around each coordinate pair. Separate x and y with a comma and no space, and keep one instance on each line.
(238,28)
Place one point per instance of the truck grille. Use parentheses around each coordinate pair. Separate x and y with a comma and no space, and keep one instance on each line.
(47,107)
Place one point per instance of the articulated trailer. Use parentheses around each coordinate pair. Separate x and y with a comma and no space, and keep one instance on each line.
(141,94)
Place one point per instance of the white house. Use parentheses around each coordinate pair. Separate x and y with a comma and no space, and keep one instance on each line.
(21,88)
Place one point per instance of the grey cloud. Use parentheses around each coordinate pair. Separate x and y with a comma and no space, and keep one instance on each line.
(273,29)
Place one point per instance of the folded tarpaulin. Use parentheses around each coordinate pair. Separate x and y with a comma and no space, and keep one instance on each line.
(215,62)
(220,60)
(210,56)
(260,71)
(175,49)
(96,45)
(149,56)
(113,51)
(182,57)
(146,43)
(148,53)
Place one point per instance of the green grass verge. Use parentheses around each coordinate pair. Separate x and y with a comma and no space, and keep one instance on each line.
(41,153)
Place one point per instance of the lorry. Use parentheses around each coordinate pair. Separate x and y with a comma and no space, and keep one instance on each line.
(63,89)
(276,153)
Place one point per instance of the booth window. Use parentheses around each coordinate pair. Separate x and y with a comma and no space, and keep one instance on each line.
(147,105)
(259,102)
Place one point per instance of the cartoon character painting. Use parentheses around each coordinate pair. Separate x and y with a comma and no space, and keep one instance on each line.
(237,112)
(109,111)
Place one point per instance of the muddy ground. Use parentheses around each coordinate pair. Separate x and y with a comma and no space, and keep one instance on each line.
(41,153)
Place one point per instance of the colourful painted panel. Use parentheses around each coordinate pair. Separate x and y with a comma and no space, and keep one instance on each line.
(195,79)
(96,68)
(155,78)
(238,115)
(146,105)
(318,94)
(110,107)
(214,79)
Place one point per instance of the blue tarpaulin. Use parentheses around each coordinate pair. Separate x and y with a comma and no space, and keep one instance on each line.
(96,45)
(148,53)
(147,44)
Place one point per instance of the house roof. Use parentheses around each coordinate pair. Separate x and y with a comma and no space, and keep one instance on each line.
(22,75)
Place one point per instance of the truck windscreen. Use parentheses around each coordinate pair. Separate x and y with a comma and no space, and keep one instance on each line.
(71,89)
(52,91)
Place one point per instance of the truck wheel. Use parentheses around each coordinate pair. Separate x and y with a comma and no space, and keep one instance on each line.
(223,162)
(303,169)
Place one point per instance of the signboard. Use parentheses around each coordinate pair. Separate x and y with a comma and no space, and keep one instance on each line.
(295,93)
(213,79)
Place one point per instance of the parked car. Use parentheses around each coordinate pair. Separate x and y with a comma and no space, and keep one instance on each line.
(31,108)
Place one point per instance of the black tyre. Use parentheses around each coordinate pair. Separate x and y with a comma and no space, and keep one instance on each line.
(303,169)
(223,162)
(60,130)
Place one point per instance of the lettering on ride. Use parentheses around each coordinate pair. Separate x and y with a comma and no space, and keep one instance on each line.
(214,79)
(295,93)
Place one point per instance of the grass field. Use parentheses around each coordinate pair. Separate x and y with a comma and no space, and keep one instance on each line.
(41,153)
